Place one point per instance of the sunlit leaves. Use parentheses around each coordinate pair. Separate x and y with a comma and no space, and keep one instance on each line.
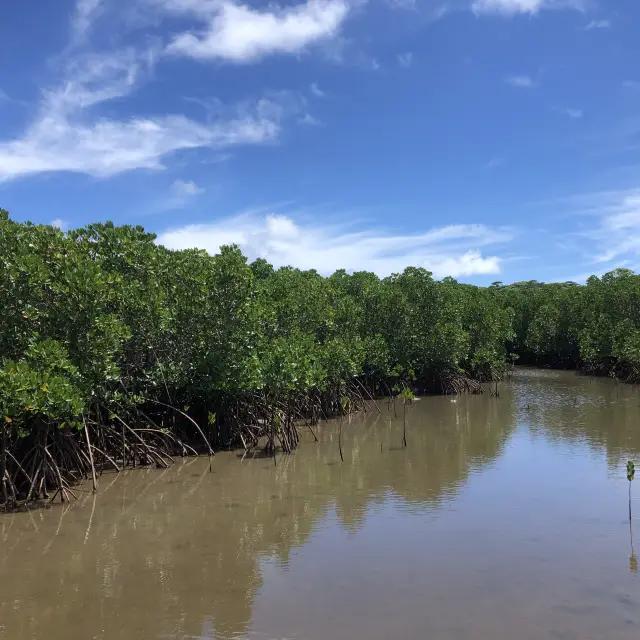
(40,388)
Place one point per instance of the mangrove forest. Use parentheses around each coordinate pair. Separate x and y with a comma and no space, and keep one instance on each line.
(117,352)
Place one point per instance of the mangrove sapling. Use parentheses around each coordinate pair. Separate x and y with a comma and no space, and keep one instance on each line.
(407,396)
(211,420)
(633,560)
(631,472)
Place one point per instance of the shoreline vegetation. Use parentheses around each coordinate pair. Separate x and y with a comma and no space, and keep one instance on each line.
(117,352)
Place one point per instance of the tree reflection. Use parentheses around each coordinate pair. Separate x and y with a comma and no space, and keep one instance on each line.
(177,552)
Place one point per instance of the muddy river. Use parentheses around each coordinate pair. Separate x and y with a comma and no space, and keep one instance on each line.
(503,518)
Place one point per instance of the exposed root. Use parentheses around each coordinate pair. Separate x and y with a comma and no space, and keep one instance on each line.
(455,383)
(50,461)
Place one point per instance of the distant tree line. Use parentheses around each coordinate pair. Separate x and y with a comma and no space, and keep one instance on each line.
(593,327)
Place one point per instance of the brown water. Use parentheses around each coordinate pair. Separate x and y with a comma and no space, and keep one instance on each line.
(497,522)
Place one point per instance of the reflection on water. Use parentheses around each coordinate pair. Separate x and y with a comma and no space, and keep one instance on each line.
(564,407)
(502,518)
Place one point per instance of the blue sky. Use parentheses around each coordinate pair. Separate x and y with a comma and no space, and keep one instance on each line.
(484,139)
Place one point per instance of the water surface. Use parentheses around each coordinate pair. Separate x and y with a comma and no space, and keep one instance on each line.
(503,518)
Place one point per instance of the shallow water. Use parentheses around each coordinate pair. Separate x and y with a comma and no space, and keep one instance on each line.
(503,518)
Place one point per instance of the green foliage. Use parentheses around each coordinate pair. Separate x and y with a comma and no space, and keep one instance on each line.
(594,327)
(40,389)
(631,471)
(407,396)
(103,317)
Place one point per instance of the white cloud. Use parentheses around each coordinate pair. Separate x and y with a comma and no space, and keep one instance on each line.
(63,141)
(405,59)
(570,112)
(60,224)
(514,7)
(86,13)
(108,147)
(453,250)
(522,82)
(634,85)
(70,131)
(598,24)
(67,136)
(240,33)
(317,91)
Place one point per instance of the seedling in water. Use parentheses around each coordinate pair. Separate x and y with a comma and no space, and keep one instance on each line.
(633,561)
(631,472)
(407,396)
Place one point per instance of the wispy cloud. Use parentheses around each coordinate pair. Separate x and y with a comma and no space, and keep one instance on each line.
(453,250)
(617,232)
(65,138)
(569,112)
(521,81)
(495,162)
(181,193)
(7,99)
(240,33)
(407,5)
(440,12)
(514,7)
(598,24)
(307,118)
(633,85)
(86,13)
(317,91)
(185,189)
(70,134)
(348,52)
(405,60)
